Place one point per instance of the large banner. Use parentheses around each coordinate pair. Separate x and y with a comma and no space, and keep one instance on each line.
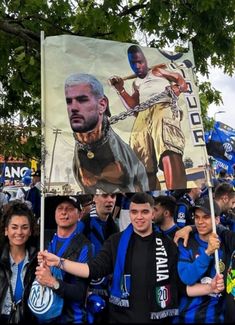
(142,131)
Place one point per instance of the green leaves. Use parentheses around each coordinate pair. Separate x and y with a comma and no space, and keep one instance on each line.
(208,95)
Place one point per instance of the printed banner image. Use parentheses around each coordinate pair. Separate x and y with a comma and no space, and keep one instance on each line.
(120,118)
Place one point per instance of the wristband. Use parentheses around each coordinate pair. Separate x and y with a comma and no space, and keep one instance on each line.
(120,92)
(61,263)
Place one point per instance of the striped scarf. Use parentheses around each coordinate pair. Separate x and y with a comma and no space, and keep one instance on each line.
(164,297)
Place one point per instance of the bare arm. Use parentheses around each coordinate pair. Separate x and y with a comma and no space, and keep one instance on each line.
(75,268)
(184,234)
(180,84)
(202,289)
(129,101)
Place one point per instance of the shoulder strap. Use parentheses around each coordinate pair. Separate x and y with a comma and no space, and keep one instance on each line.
(26,194)
(11,290)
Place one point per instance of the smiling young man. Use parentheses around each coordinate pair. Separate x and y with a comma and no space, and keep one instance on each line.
(197,265)
(143,264)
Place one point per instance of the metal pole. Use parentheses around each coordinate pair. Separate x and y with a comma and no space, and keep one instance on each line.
(214,228)
(42,214)
(212,215)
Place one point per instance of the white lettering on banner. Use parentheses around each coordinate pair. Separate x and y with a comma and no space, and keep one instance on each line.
(162,271)
(12,172)
(221,164)
(193,107)
(228,148)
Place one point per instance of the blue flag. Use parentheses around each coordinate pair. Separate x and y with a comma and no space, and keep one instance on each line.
(220,144)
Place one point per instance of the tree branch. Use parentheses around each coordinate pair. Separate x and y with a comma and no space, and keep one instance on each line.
(24,34)
(127,11)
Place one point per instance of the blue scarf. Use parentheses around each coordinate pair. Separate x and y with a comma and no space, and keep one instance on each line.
(97,237)
(97,227)
(19,285)
(120,289)
(118,293)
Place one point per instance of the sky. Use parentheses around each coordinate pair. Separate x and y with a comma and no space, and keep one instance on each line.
(226,85)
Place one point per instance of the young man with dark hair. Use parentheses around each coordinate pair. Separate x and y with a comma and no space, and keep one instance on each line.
(164,212)
(225,198)
(197,265)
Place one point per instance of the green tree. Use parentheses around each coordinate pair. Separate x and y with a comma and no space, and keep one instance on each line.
(208,24)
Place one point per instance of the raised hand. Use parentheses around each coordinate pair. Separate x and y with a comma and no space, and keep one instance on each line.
(217,283)
(213,244)
(48,259)
(117,82)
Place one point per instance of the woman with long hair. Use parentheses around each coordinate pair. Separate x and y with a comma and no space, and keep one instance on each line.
(18,260)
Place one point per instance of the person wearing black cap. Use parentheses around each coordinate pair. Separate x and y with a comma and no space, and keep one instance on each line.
(227,237)
(196,264)
(68,243)
(34,193)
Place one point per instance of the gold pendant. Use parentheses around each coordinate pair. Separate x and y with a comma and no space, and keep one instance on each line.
(221,266)
(90,154)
